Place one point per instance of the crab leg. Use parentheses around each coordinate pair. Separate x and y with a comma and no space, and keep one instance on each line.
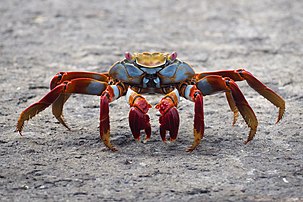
(111,93)
(169,119)
(80,85)
(232,105)
(138,117)
(191,92)
(61,77)
(198,121)
(213,84)
(104,126)
(242,74)
(57,106)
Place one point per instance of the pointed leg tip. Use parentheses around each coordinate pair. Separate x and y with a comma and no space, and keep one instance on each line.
(247,141)
(236,116)
(61,120)
(109,145)
(190,149)
(235,119)
(251,135)
(172,139)
(113,149)
(146,140)
(67,127)
(19,131)
(280,116)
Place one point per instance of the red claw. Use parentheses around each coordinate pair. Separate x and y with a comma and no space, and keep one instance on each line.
(169,120)
(138,119)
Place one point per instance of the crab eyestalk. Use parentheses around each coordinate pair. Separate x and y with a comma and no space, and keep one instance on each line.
(129,57)
(173,56)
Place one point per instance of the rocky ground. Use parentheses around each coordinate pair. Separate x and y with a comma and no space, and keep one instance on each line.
(41,38)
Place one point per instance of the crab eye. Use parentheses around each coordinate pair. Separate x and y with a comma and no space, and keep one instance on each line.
(173,56)
(128,56)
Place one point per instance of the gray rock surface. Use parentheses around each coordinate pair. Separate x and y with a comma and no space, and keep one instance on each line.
(41,38)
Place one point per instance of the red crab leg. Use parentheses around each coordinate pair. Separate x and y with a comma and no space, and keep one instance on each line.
(57,106)
(82,86)
(242,74)
(212,84)
(111,93)
(138,117)
(104,122)
(61,77)
(192,93)
(169,119)
(232,105)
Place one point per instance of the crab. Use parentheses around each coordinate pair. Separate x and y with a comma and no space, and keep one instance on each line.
(151,73)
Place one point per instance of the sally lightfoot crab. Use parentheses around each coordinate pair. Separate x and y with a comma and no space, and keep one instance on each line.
(142,73)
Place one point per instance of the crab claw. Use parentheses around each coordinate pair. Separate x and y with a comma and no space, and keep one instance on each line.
(138,118)
(169,120)
(104,122)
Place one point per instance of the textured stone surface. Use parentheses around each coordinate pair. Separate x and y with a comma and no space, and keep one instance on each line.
(40,38)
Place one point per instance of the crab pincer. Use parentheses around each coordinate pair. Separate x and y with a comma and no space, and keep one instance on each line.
(169,119)
(138,118)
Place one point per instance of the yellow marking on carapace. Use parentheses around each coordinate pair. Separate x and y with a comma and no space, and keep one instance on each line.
(151,60)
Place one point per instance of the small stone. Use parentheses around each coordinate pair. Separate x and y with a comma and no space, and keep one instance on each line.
(128,162)
(285,180)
